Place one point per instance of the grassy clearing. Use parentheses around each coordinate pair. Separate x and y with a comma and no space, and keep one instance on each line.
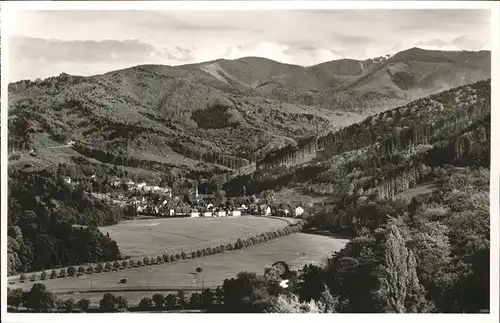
(291,195)
(297,249)
(153,237)
(419,190)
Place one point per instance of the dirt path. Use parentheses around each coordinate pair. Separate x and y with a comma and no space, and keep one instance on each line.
(423,189)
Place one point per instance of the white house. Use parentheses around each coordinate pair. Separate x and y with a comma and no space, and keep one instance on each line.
(221,213)
(236,213)
(140,208)
(298,211)
(207,214)
(141,185)
(195,214)
(268,210)
(287,212)
(171,212)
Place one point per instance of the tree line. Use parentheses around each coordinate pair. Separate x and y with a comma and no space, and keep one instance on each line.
(118,264)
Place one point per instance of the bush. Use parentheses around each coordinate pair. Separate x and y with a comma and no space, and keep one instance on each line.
(123,281)
(90,269)
(83,304)
(107,266)
(69,305)
(62,272)
(194,254)
(99,267)
(153,261)
(229,246)
(131,263)
(146,261)
(146,304)
(111,303)
(172,258)
(33,277)
(116,264)
(81,270)
(43,275)
(158,299)
(239,244)
(183,255)
(125,263)
(72,271)
(53,274)
(139,263)
(199,253)
(166,258)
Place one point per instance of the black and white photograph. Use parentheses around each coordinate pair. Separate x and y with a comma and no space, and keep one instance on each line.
(311,160)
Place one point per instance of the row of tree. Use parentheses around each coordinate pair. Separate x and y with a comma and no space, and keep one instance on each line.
(165,258)
(207,300)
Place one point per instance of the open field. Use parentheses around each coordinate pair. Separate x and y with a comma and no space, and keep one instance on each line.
(296,249)
(153,237)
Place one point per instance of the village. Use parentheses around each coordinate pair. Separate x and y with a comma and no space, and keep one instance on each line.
(144,200)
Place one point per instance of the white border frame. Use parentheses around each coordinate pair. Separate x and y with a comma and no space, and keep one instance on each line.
(494,7)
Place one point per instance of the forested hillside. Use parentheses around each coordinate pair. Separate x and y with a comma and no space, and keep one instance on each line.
(410,187)
(215,116)
(387,153)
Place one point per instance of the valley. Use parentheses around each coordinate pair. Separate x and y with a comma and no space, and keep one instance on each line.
(254,173)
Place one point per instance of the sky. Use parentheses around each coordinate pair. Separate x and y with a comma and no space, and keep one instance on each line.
(47,43)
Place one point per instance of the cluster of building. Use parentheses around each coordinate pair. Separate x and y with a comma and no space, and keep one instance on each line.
(164,204)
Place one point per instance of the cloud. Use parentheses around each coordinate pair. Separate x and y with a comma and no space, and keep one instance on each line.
(81,41)
(177,54)
(311,55)
(457,43)
(87,51)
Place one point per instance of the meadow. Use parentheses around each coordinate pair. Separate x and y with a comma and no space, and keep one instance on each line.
(153,237)
(296,249)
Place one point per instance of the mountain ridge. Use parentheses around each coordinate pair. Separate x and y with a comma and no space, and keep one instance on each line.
(219,115)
